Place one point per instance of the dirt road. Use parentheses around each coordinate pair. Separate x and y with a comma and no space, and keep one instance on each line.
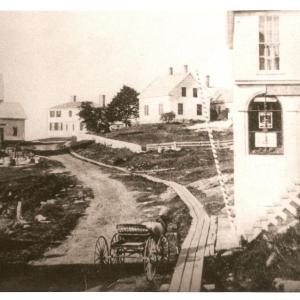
(113,203)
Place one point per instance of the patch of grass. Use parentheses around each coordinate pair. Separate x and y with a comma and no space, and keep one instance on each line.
(33,186)
(162,133)
(188,164)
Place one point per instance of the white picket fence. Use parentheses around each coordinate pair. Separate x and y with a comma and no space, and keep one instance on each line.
(226,144)
(109,142)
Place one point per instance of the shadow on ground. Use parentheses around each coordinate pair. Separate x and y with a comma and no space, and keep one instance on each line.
(78,277)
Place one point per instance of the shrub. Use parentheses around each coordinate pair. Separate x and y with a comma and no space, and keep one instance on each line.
(168,117)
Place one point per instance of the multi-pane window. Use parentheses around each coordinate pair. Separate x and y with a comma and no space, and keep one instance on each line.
(146,110)
(195,92)
(265,126)
(269,42)
(183,91)
(160,109)
(58,113)
(70,113)
(56,126)
(52,114)
(180,108)
(199,109)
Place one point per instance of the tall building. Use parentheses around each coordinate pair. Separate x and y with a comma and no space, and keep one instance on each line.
(266,47)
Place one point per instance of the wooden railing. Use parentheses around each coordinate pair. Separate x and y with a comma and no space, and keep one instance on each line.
(226,144)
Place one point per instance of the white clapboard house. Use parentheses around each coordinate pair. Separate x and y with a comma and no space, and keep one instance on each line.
(64,121)
(176,92)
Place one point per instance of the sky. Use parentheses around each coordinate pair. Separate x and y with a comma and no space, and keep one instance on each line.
(45,57)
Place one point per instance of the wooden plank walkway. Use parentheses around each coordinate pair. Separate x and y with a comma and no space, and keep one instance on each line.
(187,275)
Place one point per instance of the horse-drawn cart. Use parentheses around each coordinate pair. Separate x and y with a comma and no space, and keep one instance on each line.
(135,242)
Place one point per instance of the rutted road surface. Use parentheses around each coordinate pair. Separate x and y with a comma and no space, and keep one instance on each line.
(113,203)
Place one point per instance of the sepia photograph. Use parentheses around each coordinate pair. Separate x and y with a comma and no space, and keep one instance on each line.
(150,150)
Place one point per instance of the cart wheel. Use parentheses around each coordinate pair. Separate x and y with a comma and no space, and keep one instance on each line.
(117,256)
(150,259)
(101,254)
(163,249)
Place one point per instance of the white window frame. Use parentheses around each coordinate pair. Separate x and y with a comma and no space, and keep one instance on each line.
(269,45)
(146,110)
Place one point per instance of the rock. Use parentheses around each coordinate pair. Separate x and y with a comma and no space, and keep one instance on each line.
(285,285)
(51,201)
(209,287)
(79,201)
(25,226)
(164,287)
(149,189)
(40,218)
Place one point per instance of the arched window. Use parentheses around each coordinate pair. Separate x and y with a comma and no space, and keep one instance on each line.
(265,126)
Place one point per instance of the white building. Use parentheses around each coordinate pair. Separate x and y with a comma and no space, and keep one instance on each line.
(266,47)
(63,120)
(176,92)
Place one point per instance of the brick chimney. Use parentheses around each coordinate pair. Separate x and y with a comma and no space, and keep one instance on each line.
(74,98)
(171,71)
(103,100)
(186,68)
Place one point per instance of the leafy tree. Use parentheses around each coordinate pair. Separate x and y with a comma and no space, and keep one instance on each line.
(95,118)
(124,106)
(168,117)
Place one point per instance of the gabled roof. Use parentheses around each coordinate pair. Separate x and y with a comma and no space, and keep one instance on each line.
(11,110)
(163,85)
(72,104)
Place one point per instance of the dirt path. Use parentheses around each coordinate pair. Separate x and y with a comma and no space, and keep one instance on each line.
(113,203)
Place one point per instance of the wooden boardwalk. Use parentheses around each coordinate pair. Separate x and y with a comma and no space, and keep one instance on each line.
(200,240)
(187,275)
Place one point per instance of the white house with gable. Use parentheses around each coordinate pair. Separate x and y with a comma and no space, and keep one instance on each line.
(176,92)
(266,47)
(64,121)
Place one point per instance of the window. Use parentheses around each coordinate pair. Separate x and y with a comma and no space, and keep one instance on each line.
(269,42)
(180,108)
(15,131)
(160,109)
(70,113)
(81,126)
(52,114)
(265,126)
(146,110)
(183,92)
(195,92)
(199,109)
(56,126)
(58,113)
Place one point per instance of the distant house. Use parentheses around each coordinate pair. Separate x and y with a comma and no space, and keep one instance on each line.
(12,122)
(173,92)
(64,121)
(220,104)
